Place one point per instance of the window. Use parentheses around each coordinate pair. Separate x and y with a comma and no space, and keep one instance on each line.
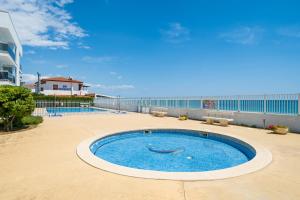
(55,87)
(42,89)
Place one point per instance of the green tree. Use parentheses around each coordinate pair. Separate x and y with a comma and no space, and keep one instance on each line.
(15,103)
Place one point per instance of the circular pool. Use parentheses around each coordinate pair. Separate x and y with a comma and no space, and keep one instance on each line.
(160,152)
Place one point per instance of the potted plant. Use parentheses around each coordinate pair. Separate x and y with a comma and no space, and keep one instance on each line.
(278,129)
(183,117)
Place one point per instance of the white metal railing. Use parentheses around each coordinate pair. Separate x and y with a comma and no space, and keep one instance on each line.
(44,107)
(284,104)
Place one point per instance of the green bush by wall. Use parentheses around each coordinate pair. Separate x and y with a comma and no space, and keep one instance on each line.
(15,103)
(32,120)
(63,98)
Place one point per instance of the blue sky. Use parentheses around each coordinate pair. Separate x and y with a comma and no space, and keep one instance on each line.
(163,48)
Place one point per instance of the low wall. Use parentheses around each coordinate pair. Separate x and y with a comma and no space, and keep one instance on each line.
(259,120)
(130,108)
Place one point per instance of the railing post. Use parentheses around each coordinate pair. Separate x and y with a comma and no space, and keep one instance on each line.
(265,104)
(299,104)
(187,103)
(201,103)
(119,104)
(239,104)
(139,105)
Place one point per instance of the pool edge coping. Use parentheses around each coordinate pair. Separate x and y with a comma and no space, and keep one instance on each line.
(262,158)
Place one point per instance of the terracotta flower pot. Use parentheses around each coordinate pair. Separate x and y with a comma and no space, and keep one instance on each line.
(281,130)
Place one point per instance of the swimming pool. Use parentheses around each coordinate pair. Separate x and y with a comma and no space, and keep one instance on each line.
(171,150)
(54,110)
(171,154)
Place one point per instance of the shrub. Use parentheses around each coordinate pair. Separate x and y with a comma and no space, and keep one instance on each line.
(183,117)
(32,120)
(15,103)
(63,98)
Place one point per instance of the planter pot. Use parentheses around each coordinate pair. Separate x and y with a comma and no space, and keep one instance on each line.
(183,117)
(281,131)
(209,121)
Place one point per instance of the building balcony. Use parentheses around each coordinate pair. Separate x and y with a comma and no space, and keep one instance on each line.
(7,54)
(7,78)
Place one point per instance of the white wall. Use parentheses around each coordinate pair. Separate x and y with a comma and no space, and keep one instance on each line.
(62,92)
(6,22)
(74,88)
(5,83)
(49,85)
(240,118)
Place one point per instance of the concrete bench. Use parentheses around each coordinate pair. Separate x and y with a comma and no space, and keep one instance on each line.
(222,121)
(158,113)
(223,117)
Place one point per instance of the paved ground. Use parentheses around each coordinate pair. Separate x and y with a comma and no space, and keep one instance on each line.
(42,164)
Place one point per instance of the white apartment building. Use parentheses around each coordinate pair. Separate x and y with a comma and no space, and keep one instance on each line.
(10,52)
(62,86)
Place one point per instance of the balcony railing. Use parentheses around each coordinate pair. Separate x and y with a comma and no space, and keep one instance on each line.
(7,76)
(8,49)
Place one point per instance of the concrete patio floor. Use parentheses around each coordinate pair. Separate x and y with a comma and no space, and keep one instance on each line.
(41,163)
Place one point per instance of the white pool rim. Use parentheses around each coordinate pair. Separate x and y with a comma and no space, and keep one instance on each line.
(262,158)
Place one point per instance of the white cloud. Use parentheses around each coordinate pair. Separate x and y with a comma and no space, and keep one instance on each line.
(43,23)
(175,33)
(83,46)
(63,2)
(38,61)
(112,87)
(243,35)
(62,66)
(30,52)
(290,31)
(99,59)
(31,78)
(115,74)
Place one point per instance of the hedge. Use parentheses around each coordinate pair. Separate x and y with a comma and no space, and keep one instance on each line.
(63,98)
(32,120)
(15,103)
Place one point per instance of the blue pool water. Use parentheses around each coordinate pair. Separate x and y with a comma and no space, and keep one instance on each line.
(52,110)
(172,150)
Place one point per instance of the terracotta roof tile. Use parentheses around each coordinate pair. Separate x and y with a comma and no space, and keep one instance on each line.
(61,79)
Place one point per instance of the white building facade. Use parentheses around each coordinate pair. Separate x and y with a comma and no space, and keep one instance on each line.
(10,52)
(62,86)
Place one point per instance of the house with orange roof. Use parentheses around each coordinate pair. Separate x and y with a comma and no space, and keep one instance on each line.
(62,86)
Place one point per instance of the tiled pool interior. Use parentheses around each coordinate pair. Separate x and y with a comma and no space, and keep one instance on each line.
(173,150)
